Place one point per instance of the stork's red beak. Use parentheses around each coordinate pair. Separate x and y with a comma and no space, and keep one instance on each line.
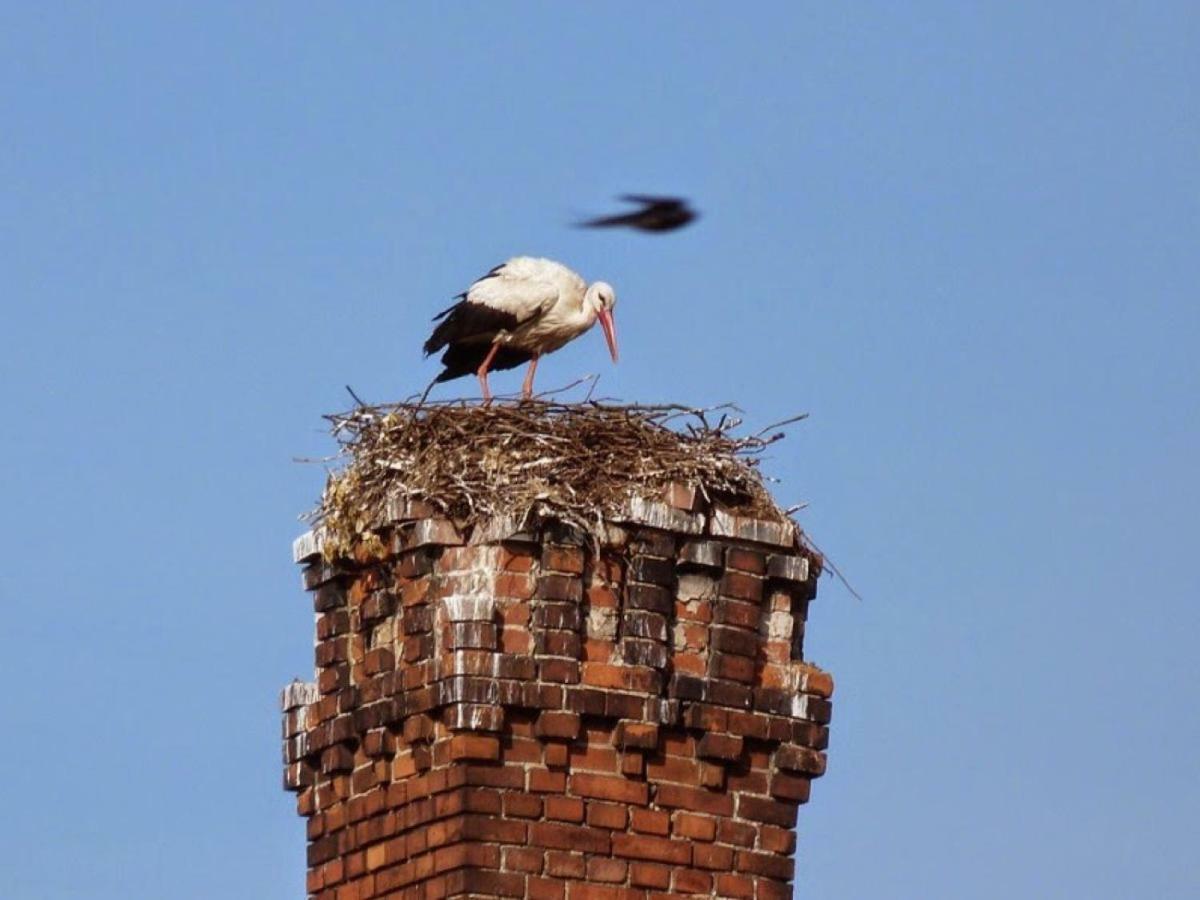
(610,331)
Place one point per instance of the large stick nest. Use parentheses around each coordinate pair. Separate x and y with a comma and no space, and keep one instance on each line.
(576,462)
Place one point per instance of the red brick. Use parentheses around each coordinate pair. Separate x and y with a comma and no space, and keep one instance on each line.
(639,735)
(494,883)
(561,671)
(556,755)
(524,859)
(569,837)
(601,597)
(712,775)
(738,833)
(563,559)
(524,806)
(545,889)
(727,665)
(649,875)
(610,871)
(720,747)
(689,881)
(754,725)
(689,825)
(767,864)
(606,815)
(650,821)
(610,787)
(515,561)
(565,809)
(487,776)
(695,799)
(773,890)
(678,769)
(790,787)
(584,891)
(633,765)
(546,782)
(706,717)
(739,886)
(639,846)
(745,560)
(560,725)
(593,757)
(474,746)
(486,828)
(565,865)
(518,586)
(741,586)
(795,758)
(753,781)
(777,840)
(773,812)
(515,640)
(817,681)
(737,614)
(482,800)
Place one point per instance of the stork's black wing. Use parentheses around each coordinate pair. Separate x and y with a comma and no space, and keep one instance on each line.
(465,359)
(472,323)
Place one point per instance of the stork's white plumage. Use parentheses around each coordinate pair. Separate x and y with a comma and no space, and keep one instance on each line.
(515,313)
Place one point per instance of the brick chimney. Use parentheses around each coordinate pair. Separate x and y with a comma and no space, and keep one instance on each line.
(540,713)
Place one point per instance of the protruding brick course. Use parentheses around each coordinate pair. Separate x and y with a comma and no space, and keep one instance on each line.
(535,714)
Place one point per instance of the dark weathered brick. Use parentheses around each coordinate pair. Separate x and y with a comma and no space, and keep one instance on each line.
(644,624)
(734,640)
(652,570)
(559,587)
(649,597)
(567,616)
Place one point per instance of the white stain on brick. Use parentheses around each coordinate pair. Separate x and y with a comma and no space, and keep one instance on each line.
(477,607)
(694,586)
(779,625)
(602,624)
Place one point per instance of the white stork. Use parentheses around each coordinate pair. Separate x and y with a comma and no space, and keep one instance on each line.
(515,313)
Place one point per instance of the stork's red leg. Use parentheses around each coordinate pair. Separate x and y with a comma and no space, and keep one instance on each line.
(482,372)
(527,388)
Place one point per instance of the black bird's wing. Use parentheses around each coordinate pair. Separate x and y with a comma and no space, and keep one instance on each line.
(613,221)
(650,200)
(656,214)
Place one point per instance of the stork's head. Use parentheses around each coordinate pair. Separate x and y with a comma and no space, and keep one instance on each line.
(600,299)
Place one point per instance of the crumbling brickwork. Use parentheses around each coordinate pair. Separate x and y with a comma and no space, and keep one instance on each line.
(544,714)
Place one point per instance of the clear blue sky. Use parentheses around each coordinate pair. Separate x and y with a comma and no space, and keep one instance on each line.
(963,237)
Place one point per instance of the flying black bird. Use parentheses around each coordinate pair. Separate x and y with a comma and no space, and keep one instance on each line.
(656,214)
